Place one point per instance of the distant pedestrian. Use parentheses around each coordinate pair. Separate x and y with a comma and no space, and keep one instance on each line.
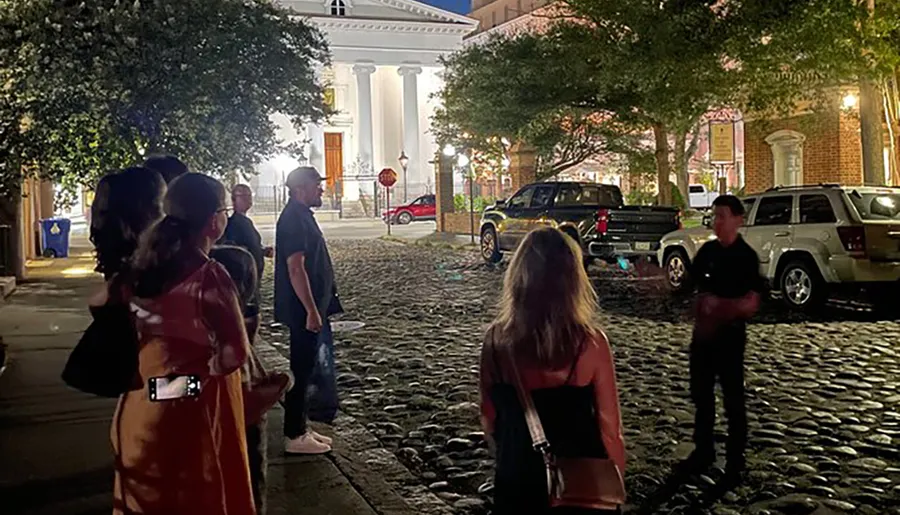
(545,335)
(729,284)
(170,167)
(242,233)
(180,440)
(305,297)
(262,390)
(125,204)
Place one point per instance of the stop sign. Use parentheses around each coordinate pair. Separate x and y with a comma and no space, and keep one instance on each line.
(387,177)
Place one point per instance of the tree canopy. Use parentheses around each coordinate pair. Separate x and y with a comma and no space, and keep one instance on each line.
(93,86)
(645,65)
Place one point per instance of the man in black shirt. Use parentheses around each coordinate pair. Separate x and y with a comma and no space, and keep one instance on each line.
(305,296)
(726,271)
(242,233)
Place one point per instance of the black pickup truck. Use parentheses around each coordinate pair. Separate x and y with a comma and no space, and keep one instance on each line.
(594,214)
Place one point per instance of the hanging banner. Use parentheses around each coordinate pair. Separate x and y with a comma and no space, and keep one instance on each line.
(721,142)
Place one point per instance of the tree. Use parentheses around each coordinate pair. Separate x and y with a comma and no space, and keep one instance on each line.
(93,86)
(513,89)
(656,66)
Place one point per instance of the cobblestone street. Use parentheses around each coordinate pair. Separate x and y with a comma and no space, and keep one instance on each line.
(822,393)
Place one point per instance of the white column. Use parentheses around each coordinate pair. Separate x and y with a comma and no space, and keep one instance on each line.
(363,72)
(316,154)
(411,122)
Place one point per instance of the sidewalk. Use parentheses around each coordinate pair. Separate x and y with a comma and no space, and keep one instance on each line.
(54,441)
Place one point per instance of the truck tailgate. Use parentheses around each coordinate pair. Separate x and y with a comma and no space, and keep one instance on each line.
(643,223)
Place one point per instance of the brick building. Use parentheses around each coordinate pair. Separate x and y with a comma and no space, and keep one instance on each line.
(811,147)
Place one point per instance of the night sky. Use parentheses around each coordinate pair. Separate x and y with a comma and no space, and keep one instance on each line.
(457,6)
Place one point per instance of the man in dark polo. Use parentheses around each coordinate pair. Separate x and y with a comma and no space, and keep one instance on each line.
(305,296)
(242,233)
(726,271)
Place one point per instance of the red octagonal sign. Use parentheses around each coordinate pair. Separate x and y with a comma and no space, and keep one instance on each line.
(387,177)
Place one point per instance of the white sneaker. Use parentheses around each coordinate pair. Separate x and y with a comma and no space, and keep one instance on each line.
(320,438)
(305,444)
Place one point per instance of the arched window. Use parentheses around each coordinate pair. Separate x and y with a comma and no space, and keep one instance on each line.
(338,8)
(787,154)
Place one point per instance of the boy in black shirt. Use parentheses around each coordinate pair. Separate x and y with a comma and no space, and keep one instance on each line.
(726,271)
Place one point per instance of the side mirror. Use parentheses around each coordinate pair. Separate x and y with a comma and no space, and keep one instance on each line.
(707,221)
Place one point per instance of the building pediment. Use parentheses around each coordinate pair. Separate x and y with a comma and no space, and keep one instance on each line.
(382,16)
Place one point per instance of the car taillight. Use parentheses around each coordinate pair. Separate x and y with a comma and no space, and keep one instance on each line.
(854,239)
(602,221)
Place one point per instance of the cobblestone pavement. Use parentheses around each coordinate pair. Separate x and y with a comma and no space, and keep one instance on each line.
(822,392)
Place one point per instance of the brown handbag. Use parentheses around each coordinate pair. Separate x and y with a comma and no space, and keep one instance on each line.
(578,482)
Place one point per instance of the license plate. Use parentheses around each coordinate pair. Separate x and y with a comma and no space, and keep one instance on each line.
(642,245)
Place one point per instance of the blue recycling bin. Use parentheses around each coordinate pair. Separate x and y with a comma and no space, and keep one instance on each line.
(55,237)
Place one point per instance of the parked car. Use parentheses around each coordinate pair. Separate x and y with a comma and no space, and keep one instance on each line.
(700,197)
(423,208)
(812,241)
(595,215)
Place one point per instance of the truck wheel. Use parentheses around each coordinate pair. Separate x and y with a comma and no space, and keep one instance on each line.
(404,218)
(802,287)
(677,274)
(490,247)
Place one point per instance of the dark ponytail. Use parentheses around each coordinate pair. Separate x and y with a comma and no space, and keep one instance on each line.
(191,201)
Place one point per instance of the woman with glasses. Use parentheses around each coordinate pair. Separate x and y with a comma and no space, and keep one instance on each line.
(179,434)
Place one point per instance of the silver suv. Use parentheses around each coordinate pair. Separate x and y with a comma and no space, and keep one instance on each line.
(811,241)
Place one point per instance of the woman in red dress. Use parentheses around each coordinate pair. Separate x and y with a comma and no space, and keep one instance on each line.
(184,455)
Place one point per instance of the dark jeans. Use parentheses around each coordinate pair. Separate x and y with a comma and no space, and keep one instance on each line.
(256,452)
(304,355)
(720,358)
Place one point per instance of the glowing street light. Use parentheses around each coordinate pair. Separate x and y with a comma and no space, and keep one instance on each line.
(462,160)
(404,163)
(449,150)
(849,101)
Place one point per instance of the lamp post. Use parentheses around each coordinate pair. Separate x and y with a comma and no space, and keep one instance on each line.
(463,161)
(404,163)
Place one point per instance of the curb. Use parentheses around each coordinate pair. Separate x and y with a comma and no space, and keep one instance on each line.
(379,477)
(431,243)
(7,287)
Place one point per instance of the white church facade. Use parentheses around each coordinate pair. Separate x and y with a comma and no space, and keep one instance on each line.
(385,68)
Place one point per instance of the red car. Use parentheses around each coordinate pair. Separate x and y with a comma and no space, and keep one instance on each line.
(423,208)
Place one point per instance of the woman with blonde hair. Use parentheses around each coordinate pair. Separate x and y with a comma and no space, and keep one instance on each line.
(544,339)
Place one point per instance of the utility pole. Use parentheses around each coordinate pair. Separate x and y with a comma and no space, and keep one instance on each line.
(871,118)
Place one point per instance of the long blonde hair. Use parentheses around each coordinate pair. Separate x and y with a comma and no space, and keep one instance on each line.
(548,303)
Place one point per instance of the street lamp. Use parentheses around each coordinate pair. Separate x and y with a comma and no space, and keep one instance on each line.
(404,163)
(463,162)
(449,150)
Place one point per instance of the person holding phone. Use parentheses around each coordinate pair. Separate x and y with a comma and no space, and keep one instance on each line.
(179,435)
(305,296)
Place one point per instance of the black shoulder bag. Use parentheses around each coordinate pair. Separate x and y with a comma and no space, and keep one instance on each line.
(105,360)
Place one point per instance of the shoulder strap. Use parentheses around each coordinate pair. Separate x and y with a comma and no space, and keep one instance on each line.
(538,438)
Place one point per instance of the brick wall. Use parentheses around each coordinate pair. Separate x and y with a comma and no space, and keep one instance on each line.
(831,152)
(459,223)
